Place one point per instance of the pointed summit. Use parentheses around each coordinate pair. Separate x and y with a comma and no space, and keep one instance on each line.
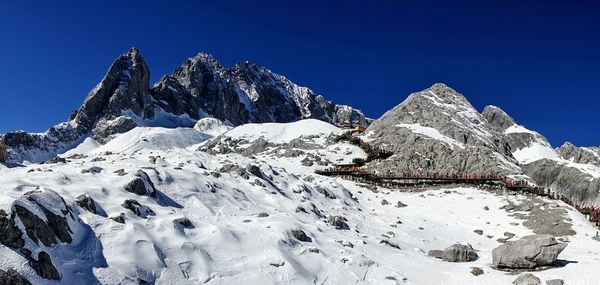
(124,87)
(499,119)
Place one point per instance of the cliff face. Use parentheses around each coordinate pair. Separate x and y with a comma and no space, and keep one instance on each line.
(201,87)
(438,130)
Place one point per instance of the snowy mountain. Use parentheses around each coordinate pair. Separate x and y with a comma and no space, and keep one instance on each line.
(200,88)
(572,172)
(438,130)
(210,177)
(181,206)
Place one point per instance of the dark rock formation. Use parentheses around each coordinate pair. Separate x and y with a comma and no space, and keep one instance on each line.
(86,202)
(201,87)
(137,208)
(12,277)
(300,235)
(141,185)
(43,266)
(10,234)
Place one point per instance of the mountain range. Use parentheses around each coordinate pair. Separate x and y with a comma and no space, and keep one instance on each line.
(211,176)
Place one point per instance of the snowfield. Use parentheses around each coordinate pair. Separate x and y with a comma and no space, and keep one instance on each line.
(242,221)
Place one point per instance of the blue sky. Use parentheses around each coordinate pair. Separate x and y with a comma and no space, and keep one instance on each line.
(538,60)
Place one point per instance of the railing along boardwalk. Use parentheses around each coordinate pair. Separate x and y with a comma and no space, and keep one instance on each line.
(353,172)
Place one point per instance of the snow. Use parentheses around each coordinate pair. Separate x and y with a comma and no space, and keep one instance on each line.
(519,129)
(432,133)
(284,132)
(535,151)
(211,126)
(230,244)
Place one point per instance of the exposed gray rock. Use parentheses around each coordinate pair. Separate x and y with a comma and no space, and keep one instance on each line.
(459,253)
(568,182)
(584,155)
(555,282)
(469,143)
(477,271)
(436,253)
(12,277)
(527,279)
(528,252)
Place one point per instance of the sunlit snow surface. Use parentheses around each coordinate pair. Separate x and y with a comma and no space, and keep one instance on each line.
(230,244)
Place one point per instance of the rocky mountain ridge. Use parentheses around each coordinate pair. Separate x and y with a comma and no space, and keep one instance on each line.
(201,87)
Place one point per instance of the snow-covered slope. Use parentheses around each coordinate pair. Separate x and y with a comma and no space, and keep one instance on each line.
(220,216)
(572,172)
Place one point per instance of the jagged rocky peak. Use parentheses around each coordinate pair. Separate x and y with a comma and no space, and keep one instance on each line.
(124,88)
(438,130)
(585,155)
(497,118)
(201,87)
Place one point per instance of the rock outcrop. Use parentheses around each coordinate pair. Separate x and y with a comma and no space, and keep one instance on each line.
(528,252)
(571,172)
(583,155)
(438,130)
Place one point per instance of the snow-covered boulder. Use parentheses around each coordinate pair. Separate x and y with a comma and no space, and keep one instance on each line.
(212,126)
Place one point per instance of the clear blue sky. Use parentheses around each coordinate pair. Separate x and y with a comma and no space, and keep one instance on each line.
(538,60)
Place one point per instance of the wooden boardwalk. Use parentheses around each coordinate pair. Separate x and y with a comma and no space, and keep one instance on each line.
(414,179)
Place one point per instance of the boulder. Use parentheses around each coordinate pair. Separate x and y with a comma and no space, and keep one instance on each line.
(141,185)
(528,252)
(86,202)
(459,253)
(527,279)
(436,253)
(338,222)
(555,282)
(300,235)
(137,208)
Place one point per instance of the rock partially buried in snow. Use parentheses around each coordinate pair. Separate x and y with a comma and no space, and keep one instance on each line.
(300,235)
(459,253)
(555,282)
(141,185)
(137,208)
(527,279)
(86,202)
(528,252)
(338,222)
